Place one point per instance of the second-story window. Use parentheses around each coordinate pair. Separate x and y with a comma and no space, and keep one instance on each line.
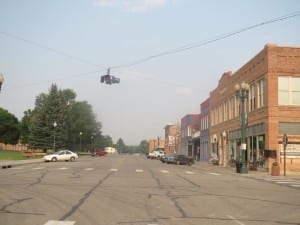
(288,90)
(252,97)
(261,93)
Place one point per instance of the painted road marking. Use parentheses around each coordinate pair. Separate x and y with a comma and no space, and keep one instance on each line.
(295,185)
(164,171)
(113,170)
(235,220)
(216,174)
(88,169)
(63,168)
(58,222)
(287,182)
(139,170)
(38,168)
(17,168)
(189,172)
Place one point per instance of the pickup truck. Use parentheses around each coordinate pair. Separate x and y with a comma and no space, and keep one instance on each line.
(156,154)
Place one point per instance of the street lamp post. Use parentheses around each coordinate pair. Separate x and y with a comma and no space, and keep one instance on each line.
(1,81)
(224,148)
(54,125)
(80,134)
(242,93)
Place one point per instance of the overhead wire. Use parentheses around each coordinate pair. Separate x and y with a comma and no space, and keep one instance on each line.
(208,41)
(148,58)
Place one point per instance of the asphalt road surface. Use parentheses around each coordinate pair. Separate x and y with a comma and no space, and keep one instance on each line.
(133,190)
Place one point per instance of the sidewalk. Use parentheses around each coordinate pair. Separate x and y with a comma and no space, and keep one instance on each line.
(260,172)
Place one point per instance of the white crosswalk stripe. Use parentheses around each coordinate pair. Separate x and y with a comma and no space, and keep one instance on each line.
(287,182)
(164,171)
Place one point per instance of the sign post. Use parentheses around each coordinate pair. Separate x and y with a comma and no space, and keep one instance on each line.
(284,142)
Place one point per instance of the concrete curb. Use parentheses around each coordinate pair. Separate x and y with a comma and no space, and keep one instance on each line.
(251,173)
(6,164)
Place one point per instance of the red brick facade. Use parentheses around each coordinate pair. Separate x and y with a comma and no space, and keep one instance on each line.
(267,119)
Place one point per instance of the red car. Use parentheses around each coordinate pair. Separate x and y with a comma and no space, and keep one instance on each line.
(99,153)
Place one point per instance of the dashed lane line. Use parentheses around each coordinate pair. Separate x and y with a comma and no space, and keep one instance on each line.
(139,170)
(59,222)
(38,168)
(189,172)
(215,174)
(164,171)
(63,168)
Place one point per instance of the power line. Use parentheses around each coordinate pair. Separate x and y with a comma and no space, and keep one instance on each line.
(168,52)
(58,52)
(208,41)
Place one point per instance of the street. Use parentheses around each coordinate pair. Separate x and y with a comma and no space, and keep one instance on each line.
(133,190)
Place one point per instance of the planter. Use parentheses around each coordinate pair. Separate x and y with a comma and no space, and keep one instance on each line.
(275,170)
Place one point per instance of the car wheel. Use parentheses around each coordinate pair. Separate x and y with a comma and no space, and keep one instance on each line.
(72,159)
(54,159)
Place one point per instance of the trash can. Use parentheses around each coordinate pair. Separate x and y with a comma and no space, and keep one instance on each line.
(238,165)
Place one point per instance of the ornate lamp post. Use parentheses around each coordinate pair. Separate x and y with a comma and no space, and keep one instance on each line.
(54,125)
(242,93)
(1,81)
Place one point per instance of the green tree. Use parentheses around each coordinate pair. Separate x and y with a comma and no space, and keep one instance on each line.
(120,146)
(48,128)
(144,146)
(83,121)
(9,128)
(58,119)
(24,126)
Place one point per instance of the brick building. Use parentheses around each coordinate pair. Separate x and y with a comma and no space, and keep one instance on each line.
(204,131)
(172,134)
(156,143)
(190,124)
(273,109)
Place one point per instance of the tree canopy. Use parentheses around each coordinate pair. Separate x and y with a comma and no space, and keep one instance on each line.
(59,121)
(9,128)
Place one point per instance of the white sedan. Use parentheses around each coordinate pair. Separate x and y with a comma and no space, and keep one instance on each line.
(62,155)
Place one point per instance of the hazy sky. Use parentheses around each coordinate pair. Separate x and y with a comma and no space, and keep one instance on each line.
(73,42)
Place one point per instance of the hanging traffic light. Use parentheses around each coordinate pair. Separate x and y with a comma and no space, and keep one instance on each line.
(108,79)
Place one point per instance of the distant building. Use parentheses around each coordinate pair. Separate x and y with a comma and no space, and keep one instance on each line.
(156,143)
(204,131)
(190,124)
(172,138)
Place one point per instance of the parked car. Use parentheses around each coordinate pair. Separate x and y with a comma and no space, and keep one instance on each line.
(168,158)
(61,155)
(178,159)
(156,154)
(99,153)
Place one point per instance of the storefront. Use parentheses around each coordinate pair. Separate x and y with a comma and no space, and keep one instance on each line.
(255,145)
